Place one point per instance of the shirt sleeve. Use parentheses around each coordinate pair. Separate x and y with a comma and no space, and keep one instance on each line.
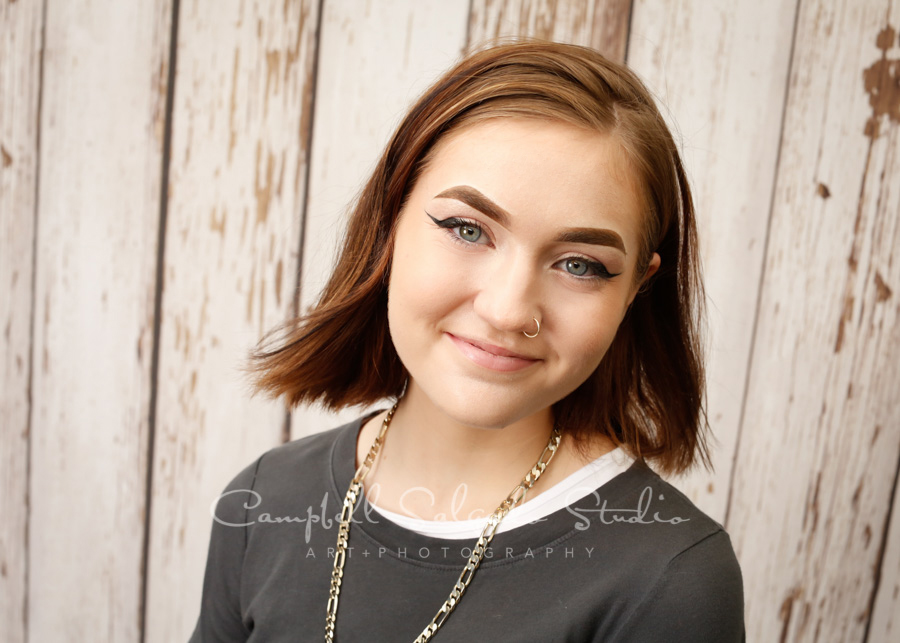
(221,619)
(698,598)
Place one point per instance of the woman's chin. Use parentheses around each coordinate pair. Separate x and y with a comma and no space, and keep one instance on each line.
(499,416)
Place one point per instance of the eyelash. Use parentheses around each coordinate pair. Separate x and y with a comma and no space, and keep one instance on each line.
(450,224)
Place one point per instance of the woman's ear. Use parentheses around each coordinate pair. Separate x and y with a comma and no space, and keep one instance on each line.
(652,267)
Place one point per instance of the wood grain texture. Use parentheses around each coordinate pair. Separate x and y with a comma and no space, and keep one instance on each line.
(236,186)
(820,442)
(601,24)
(103,100)
(375,58)
(712,67)
(20,47)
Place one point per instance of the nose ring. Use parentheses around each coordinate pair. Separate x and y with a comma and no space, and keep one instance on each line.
(535,332)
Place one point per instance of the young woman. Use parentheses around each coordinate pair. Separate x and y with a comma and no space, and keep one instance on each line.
(520,279)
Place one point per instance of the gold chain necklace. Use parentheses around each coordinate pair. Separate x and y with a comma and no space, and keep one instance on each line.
(487,534)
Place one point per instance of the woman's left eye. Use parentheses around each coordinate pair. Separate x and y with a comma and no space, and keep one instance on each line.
(581,267)
(469,232)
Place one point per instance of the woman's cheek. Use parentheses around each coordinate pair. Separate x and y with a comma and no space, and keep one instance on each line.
(588,343)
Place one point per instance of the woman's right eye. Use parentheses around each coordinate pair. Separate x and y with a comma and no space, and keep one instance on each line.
(462,230)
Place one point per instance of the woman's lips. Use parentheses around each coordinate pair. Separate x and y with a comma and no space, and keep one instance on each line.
(489,356)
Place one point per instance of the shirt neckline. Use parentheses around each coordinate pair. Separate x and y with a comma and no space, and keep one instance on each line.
(524,541)
(572,488)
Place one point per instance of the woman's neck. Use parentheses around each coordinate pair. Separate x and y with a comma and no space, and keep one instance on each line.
(434,467)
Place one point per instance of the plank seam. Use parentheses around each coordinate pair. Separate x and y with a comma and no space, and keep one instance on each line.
(762,272)
(468,41)
(876,581)
(157,311)
(628,32)
(311,106)
(29,391)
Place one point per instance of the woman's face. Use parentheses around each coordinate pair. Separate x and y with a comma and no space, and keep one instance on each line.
(515,219)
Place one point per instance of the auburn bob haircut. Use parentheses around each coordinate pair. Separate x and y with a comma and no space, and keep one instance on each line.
(647,393)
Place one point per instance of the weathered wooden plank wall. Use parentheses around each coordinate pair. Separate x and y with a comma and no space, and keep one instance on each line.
(101,140)
(20,47)
(789,116)
(237,181)
(820,442)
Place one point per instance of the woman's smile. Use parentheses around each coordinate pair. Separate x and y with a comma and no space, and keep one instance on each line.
(490,356)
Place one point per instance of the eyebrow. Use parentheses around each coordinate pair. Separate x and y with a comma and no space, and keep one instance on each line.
(476,200)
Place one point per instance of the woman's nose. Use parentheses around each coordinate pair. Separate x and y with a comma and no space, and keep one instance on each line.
(508,295)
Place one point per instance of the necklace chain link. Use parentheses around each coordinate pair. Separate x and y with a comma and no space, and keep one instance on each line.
(516,496)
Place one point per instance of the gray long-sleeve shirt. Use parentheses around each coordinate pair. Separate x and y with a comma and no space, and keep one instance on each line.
(635,562)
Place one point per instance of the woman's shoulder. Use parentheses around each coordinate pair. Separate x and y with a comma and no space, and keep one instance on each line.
(297,463)
(310,450)
(682,535)
(649,498)
(676,562)
(640,514)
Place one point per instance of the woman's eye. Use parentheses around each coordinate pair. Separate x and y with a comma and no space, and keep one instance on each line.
(585,268)
(461,230)
(469,233)
(577,267)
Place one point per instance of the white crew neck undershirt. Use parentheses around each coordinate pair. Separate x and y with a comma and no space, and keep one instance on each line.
(576,486)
